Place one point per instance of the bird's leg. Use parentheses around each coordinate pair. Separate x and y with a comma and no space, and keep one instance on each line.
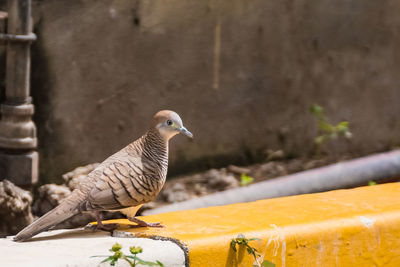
(105,227)
(141,223)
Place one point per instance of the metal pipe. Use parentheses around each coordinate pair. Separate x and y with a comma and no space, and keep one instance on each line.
(18,53)
(18,38)
(336,176)
(18,160)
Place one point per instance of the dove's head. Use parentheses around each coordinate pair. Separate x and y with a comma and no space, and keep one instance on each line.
(168,123)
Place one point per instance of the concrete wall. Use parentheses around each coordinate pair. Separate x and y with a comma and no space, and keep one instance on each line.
(241,73)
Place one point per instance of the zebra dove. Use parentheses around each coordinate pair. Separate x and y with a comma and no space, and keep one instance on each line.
(123,182)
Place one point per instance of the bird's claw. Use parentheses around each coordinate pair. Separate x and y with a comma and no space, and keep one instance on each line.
(104,227)
(141,223)
(156,224)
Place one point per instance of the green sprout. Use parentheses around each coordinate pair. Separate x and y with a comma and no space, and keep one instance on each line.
(246,180)
(327,131)
(371,183)
(241,240)
(133,259)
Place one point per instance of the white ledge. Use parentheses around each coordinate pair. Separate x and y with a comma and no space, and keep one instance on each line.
(61,248)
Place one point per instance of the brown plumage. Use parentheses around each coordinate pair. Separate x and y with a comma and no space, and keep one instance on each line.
(124,181)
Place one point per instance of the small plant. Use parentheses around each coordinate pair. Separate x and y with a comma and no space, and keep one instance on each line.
(371,183)
(246,180)
(133,259)
(241,240)
(327,131)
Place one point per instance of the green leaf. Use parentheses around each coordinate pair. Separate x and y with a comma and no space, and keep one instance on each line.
(316,109)
(371,183)
(108,259)
(143,262)
(266,263)
(342,127)
(326,127)
(249,250)
(116,248)
(343,124)
(233,245)
(246,180)
(131,257)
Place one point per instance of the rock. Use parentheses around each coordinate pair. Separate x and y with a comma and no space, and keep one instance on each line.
(315,163)
(295,165)
(197,178)
(200,189)
(220,180)
(238,170)
(270,169)
(149,205)
(50,195)
(15,208)
(73,178)
(176,193)
(275,155)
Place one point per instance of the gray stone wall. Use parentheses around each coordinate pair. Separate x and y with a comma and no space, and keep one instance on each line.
(241,73)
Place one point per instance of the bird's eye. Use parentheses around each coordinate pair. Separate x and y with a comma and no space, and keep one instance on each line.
(169,122)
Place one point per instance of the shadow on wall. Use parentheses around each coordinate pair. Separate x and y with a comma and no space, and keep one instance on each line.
(41,84)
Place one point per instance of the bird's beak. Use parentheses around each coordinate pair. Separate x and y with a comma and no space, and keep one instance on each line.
(185,132)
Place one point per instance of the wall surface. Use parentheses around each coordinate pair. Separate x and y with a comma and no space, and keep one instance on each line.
(241,73)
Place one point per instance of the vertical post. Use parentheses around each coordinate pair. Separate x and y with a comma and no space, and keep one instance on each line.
(18,158)
(3,29)
(3,24)
(18,53)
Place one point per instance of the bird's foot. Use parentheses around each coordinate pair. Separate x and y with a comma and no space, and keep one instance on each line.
(107,227)
(156,224)
(141,223)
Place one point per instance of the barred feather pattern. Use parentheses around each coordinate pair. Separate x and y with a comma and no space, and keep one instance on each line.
(129,178)
(124,181)
(132,176)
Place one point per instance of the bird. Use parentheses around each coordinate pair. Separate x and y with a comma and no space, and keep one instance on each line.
(122,182)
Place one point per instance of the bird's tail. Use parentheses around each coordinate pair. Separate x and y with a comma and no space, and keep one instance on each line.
(57,215)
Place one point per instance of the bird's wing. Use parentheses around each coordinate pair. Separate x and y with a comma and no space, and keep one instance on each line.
(119,184)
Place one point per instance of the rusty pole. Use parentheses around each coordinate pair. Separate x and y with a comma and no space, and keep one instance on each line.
(18,158)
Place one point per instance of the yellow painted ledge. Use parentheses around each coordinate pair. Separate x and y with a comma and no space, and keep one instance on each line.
(354,227)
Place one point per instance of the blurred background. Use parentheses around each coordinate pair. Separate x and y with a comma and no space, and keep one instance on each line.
(242,74)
